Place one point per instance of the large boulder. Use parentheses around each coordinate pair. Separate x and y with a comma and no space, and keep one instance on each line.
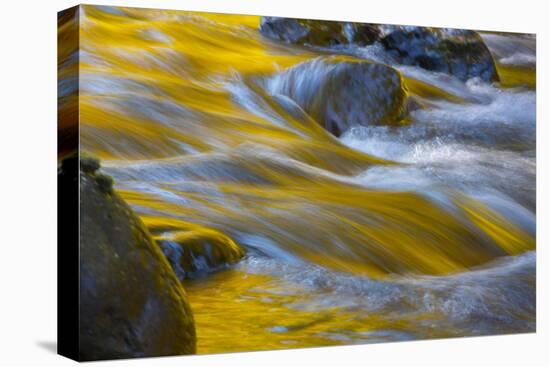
(458,52)
(199,251)
(339,91)
(317,32)
(131,302)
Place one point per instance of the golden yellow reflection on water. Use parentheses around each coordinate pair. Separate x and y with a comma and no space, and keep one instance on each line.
(154,96)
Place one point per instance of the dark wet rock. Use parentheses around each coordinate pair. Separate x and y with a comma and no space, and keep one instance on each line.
(104,183)
(302,31)
(200,251)
(317,32)
(458,52)
(362,34)
(131,303)
(339,92)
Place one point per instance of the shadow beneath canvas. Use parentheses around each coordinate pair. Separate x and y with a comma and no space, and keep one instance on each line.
(50,346)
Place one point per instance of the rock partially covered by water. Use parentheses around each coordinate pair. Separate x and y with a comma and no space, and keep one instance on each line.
(197,252)
(339,92)
(458,52)
(131,303)
(317,32)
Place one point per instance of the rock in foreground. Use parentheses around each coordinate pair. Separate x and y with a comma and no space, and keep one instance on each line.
(131,303)
(339,92)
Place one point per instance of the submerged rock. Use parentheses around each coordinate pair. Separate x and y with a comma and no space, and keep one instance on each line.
(458,52)
(340,92)
(196,252)
(317,32)
(131,303)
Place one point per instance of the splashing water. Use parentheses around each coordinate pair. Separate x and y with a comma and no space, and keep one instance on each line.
(386,233)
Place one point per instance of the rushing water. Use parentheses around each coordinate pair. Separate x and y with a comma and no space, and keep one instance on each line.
(383,234)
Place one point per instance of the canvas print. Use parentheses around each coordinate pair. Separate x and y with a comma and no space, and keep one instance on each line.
(246,183)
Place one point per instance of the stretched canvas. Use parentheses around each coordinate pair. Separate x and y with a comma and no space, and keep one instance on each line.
(234,183)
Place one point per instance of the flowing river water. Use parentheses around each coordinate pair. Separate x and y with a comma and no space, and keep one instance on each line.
(424,230)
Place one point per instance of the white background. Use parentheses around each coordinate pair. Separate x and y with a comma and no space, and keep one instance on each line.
(28,182)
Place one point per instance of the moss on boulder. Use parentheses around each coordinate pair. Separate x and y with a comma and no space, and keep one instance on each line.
(131,303)
(339,92)
(200,251)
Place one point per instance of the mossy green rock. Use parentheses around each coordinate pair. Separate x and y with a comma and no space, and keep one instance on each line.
(317,32)
(457,52)
(340,91)
(131,302)
(199,251)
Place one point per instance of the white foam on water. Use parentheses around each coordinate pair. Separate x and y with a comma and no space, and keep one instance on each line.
(512,49)
(503,180)
(500,107)
(483,149)
(500,293)
(519,59)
